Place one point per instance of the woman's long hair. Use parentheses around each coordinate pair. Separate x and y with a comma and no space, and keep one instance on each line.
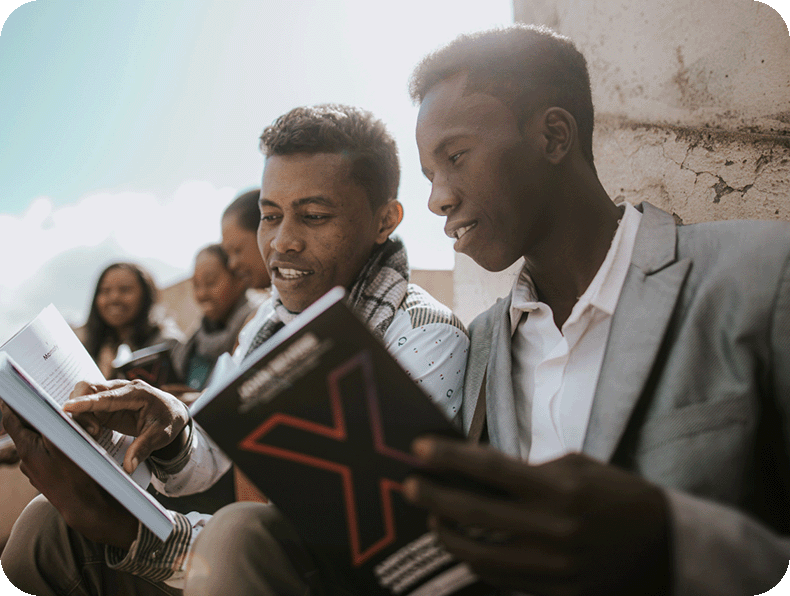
(97,332)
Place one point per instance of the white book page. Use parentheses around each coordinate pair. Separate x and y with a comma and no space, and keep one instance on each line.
(49,352)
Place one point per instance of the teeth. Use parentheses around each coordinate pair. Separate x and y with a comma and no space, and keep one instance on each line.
(292,273)
(459,233)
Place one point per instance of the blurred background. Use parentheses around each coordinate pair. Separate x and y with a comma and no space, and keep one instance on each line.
(126,128)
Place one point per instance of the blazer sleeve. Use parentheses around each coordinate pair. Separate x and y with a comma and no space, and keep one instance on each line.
(719,550)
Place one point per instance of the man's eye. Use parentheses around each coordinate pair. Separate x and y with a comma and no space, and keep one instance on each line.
(455,156)
(269,217)
(315,217)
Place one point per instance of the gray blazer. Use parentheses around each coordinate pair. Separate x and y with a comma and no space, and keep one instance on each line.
(693,394)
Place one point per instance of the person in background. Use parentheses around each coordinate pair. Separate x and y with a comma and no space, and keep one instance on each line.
(122,312)
(240,241)
(225,306)
(221,297)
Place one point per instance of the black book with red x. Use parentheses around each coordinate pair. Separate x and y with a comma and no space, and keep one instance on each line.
(321,419)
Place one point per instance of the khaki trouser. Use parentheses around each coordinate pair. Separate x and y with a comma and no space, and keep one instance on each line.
(250,549)
(47,558)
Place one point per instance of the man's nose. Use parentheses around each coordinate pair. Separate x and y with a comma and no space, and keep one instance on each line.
(233,262)
(201,294)
(288,237)
(442,199)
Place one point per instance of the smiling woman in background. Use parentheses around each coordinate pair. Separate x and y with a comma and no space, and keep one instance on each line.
(122,313)
(221,297)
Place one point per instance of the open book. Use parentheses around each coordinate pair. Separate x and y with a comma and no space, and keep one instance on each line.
(151,364)
(39,367)
(321,418)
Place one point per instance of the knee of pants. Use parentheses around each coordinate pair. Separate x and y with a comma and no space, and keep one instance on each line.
(33,541)
(247,548)
(232,529)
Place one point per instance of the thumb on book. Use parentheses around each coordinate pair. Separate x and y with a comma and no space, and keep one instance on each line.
(90,423)
(140,449)
(132,466)
(131,460)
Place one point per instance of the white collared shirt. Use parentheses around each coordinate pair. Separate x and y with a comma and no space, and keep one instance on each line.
(555,373)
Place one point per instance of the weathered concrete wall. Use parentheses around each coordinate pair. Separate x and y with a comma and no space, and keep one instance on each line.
(692,110)
(700,174)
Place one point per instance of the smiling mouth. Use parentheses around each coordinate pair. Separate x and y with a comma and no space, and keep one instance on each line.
(292,273)
(459,233)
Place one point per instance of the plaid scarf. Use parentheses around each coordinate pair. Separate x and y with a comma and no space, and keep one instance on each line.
(375,295)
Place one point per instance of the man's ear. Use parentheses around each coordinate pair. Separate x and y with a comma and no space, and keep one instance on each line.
(560,132)
(389,217)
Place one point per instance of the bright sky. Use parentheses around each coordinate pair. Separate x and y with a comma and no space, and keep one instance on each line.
(127,127)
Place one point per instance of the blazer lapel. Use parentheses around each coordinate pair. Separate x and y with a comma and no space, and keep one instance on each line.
(644,309)
(500,406)
(490,349)
(480,332)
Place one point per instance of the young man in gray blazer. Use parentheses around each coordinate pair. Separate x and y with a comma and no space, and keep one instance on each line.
(636,381)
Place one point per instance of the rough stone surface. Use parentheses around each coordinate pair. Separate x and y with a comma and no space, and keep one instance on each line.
(698,174)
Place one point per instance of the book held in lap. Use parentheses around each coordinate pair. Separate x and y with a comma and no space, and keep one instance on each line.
(321,418)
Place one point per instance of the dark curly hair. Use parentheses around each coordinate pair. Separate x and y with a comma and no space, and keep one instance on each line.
(525,66)
(335,128)
(245,208)
(97,332)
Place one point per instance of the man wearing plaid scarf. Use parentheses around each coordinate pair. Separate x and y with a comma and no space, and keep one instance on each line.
(328,208)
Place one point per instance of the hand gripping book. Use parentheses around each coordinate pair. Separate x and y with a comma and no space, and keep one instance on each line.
(321,418)
(39,367)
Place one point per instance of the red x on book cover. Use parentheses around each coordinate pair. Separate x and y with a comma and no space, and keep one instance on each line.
(321,419)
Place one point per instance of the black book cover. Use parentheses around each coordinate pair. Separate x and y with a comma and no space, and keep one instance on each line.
(152,365)
(321,419)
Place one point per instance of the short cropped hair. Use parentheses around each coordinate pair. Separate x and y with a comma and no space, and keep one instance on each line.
(335,128)
(522,65)
(246,210)
(217,251)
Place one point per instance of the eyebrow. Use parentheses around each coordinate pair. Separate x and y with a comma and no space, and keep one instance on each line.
(317,200)
(441,147)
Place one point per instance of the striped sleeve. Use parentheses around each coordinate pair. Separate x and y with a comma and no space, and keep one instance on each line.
(153,559)
(423,310)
